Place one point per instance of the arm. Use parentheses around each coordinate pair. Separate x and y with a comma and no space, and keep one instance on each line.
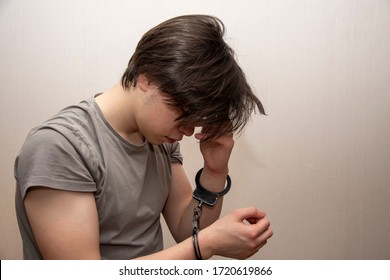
(239,234)
(178,210)
(64,223)
(216,154)
(65,226)
(229,236)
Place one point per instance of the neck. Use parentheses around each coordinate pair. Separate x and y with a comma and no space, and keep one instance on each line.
(118,107)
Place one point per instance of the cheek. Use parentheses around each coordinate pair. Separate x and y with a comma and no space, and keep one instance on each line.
(170,118)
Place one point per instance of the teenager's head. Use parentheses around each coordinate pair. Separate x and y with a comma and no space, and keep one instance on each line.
(191,63)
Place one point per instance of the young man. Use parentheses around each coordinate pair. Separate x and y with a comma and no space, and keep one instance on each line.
(93,180)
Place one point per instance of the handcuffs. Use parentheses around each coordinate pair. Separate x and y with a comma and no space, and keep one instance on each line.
(209,198)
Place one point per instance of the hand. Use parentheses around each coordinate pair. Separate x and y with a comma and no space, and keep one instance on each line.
(238,235)
(216,152)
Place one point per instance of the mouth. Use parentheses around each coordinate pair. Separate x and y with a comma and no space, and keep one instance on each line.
(170,140)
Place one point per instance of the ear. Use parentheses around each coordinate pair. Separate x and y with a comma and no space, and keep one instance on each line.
(143,82)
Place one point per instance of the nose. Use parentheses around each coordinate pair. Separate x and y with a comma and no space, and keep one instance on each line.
(187,130)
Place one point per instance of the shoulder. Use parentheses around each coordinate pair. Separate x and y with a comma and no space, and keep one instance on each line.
(70,129)
(173,151)
(57,153)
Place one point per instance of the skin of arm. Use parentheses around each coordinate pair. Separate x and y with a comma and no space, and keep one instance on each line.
(65,225)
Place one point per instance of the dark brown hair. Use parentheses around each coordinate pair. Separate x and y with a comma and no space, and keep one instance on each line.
(189,60)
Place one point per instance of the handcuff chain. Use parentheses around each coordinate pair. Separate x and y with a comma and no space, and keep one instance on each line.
(196,217)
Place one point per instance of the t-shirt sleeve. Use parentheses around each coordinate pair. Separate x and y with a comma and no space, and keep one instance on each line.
(49,159)
(176,156)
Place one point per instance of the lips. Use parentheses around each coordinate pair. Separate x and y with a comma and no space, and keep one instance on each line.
(172,140)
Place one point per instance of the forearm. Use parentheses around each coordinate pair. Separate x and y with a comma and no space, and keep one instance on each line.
(212,182)
(216,153)
(179,209)
(182,251)
(228,237)
(209,213)
(209,216)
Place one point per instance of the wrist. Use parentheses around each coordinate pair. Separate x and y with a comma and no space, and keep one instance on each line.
(204,195)
(214,181)
(214,172)
(205,245)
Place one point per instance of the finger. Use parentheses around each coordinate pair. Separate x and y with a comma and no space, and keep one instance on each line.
(265,235)
(249,213)
(258,229)
(260,241)
(252,221)
(200,136)
(261,246)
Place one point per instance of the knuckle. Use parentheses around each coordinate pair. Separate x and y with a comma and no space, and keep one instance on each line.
(267,223)
(236,212)
(252,235)
(253,245)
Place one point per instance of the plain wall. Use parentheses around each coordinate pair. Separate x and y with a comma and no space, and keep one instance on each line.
(318,164)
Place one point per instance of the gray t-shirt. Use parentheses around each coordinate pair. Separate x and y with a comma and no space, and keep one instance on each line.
(77,150)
